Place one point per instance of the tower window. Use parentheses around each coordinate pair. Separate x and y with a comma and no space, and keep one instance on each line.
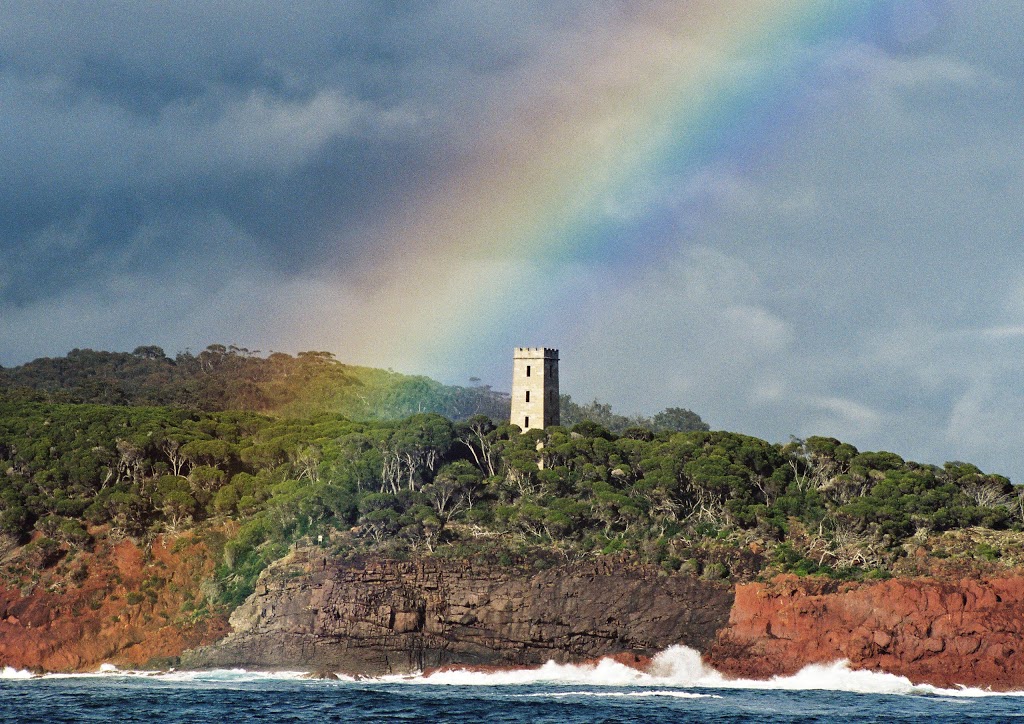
(527,370)
(526,422)
(527,395)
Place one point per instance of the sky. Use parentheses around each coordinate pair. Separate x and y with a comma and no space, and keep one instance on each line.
(794,217)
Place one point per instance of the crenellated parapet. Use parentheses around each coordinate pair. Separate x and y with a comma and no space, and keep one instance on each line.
(535,353)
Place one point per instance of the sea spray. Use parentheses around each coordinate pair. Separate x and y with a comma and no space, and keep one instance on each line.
(669,674)
(9,672)
(607,672)
(682,667)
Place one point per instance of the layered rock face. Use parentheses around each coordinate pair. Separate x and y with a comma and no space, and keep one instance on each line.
(380,616)
(943,632)
(383,616)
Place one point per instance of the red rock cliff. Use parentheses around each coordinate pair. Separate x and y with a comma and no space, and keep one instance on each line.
(117,604)
(942,632)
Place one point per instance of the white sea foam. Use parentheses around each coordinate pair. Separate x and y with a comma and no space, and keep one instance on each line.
(12,673)
(230,675)
(105,670)
(606,672)
(674,669)
(214,676)
(623,694)
(682,667)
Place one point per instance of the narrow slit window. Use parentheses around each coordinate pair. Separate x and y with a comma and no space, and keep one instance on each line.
(527,370)
(526,422)
(527,395)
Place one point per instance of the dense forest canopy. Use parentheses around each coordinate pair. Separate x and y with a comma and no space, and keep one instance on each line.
(715,503)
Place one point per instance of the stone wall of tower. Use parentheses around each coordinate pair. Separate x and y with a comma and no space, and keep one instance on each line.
(535,387)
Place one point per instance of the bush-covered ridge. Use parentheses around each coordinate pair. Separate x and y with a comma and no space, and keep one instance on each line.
(715,502)
(234,378)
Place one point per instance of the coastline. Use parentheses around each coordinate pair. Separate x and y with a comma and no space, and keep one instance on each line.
(378,617)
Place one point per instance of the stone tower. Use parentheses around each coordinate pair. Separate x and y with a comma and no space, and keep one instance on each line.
(534,387)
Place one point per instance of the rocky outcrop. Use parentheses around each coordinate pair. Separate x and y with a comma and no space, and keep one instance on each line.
(383,616)
(943,632)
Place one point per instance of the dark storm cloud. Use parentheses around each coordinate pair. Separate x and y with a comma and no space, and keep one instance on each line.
(288,122)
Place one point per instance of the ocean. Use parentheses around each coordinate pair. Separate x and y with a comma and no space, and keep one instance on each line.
(678,689)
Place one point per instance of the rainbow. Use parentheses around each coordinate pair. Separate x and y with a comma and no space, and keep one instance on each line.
(669,88)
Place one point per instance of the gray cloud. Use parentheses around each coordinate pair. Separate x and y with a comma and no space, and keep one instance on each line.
(880,251)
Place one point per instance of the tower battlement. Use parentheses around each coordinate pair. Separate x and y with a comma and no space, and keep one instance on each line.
(535,387)
(535,353)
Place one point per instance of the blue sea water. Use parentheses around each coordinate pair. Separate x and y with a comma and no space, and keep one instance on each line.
(152,700)
(679,689)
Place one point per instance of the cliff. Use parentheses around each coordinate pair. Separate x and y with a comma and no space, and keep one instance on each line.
(383,616)
(139,607)
(950,632)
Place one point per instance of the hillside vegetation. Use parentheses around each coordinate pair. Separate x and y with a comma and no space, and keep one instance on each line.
(233,378)
(251,484)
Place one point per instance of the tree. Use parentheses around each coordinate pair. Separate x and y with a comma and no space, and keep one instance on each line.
(451,491)
(412,452)
(150,352)
(477,436)
(131,462)
(215,453)
(178,507)
(678,419)
(306,463)
(172,449)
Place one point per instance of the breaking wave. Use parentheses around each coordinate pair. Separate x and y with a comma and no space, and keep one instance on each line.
(671,673)
(682,667)
(12,673)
